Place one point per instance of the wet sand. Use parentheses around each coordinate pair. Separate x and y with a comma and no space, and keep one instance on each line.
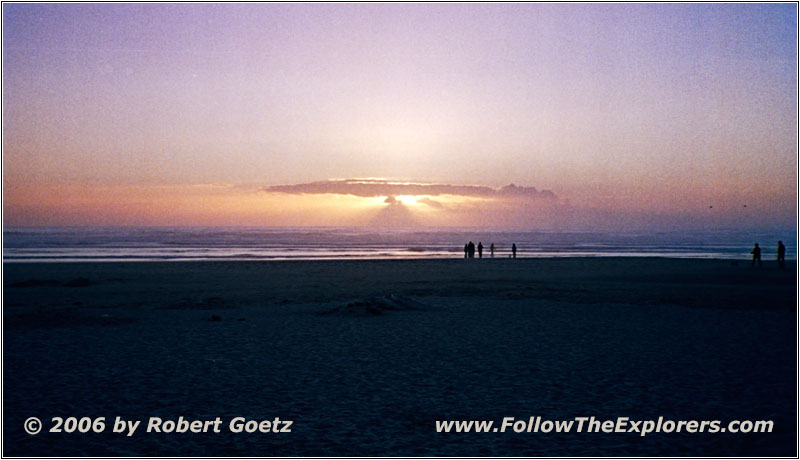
(365,356)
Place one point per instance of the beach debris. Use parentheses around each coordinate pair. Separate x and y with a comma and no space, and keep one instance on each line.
(215,318)
(78,282)
(376,306)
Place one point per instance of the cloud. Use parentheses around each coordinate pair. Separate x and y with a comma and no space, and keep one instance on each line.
(395,215)
(379,187)
(431,203)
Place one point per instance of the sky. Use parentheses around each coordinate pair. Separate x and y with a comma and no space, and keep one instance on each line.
(649,115)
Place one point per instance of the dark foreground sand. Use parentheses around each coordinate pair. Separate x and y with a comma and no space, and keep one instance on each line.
(364,356)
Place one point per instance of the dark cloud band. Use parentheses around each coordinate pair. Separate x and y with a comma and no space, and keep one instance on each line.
(376,188)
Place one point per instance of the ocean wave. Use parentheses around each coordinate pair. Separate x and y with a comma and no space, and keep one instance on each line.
(266,243)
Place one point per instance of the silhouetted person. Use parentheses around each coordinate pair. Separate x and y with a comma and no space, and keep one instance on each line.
(756,255)
(781,255)
(491,249)
(471,250)
(514,250)
(480,250)
(466,250)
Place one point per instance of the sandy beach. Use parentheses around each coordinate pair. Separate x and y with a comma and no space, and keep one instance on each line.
(365,356)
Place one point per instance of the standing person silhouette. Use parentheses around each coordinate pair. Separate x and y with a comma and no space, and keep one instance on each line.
(756,256)
(491,250)
(514,250)
(466,250)
(781,255)
(480,250)
(471,250)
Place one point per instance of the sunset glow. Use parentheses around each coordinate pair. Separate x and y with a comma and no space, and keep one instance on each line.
(198,114)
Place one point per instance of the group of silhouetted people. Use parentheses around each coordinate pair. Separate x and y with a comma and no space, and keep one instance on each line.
(469,250)
(781,255)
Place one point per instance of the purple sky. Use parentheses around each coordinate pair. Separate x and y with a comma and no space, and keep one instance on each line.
(619,108)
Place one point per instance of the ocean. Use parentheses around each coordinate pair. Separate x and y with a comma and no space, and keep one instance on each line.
(107,244)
